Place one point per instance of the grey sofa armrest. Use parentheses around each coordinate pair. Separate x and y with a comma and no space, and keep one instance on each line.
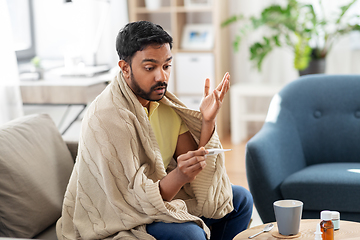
(273,154)
(73,147)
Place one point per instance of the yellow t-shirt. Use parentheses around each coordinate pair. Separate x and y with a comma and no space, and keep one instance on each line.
(167,126)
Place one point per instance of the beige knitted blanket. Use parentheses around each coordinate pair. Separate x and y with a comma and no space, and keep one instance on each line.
(114,192)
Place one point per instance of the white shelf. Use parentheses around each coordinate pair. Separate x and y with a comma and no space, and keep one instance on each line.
(239,115)
(253,117)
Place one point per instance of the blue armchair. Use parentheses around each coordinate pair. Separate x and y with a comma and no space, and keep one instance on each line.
(309,148)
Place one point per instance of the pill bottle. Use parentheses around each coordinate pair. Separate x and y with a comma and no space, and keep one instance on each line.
(335,218)
(326,225)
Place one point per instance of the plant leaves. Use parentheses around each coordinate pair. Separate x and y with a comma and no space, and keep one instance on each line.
(232,19)
(293,25)
(344,10)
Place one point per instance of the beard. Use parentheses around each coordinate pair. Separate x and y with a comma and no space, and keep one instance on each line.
(144,94)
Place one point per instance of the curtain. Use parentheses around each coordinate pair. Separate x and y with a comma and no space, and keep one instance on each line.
(10,97)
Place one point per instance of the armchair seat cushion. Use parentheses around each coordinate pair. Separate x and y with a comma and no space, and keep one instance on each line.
(331,186)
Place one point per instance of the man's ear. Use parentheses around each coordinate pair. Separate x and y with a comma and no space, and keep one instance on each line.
(125,68)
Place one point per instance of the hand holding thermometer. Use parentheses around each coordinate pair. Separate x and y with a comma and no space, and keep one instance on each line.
(217,151)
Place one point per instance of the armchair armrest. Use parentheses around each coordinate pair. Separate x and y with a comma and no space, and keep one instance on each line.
(273,154)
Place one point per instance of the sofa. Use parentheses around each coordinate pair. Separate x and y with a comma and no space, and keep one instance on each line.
(308,148)
(35,165)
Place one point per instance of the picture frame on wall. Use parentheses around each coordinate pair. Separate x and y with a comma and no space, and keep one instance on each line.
(197,3)
(197,37)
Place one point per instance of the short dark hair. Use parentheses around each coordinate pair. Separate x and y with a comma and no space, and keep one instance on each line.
(136,36)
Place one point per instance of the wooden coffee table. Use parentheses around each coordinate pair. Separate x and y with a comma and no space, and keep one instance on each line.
(348,230)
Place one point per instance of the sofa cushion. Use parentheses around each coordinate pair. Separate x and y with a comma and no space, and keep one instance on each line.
(332,186)
(35,166)
(48,234)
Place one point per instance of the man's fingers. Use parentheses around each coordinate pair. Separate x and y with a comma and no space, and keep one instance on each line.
(199,152)
(221,84)
(192,166)
(225,88)
(217,96)
(207,87)
(197,163)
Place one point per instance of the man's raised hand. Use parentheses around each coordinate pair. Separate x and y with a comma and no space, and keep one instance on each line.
(212,102)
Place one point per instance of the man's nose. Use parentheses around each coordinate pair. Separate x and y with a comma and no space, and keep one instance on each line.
(161,75)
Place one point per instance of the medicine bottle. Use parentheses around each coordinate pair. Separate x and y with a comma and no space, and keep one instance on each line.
(335,219)
(327,227)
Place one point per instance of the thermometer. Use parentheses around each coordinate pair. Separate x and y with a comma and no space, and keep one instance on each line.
(217,151)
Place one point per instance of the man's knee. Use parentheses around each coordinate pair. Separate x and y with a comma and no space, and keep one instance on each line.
(195,234)
(176,231)
(243,200)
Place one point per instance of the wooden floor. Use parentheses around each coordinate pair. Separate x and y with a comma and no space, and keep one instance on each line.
(235,168)
(235,162)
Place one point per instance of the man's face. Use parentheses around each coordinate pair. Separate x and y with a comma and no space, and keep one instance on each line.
(149,73)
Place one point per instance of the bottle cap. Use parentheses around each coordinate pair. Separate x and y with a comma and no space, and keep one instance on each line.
(325,215)
(335,215)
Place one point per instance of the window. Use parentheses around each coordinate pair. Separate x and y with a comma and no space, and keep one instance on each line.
(21,17)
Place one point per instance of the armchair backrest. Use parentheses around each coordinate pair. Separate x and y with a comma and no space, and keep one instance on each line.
(326,112)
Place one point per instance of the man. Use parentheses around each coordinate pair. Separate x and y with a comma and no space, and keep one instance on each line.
(142,171)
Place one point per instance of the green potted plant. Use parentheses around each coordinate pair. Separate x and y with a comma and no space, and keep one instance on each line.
(296,25)
(36,63)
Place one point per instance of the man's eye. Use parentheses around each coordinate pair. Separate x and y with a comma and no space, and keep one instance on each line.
(167,66)
(149,68)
